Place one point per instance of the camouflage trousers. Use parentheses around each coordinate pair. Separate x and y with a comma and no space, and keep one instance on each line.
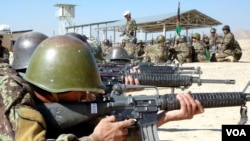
(223,57)
(182,59)
(201,58)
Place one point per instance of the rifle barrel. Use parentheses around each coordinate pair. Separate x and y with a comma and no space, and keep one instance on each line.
(208,100)
(224,81)
(174,80)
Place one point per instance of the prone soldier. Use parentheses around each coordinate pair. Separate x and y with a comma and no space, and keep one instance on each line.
(53,77)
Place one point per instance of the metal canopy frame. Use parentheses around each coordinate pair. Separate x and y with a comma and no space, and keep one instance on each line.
(191,19)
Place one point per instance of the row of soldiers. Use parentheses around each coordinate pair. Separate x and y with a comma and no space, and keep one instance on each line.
(211,48)
(206,49)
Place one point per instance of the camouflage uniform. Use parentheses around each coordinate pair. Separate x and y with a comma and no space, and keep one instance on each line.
(199,51)
(237,51)
(157,53)
(227,48)
(106,51)
(4,54)
(183,53)
(139,49)
(130,28)
(130,48)
(19,118)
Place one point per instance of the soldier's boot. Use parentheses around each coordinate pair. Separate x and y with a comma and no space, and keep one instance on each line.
(220,59)
(230,59)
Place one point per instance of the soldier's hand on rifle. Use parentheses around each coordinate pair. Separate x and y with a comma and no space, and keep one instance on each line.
(135,69)
(189,108)
(109,129)
(129,80)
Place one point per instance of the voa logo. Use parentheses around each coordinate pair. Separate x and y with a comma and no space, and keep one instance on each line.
(236,132)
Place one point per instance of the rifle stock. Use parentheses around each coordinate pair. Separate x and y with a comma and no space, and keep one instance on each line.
(143,108)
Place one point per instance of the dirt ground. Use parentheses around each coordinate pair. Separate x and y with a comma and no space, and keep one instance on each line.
(207,126)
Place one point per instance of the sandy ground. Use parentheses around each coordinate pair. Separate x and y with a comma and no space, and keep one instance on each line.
(207,126)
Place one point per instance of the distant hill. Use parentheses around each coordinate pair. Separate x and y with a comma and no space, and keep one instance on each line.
(241,34)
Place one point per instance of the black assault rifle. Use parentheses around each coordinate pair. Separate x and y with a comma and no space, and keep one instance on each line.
(143,108)
(159,76)
(149,68)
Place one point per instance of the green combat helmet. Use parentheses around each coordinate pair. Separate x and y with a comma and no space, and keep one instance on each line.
(24,47)
(196,36)
(63,63)
(161,39)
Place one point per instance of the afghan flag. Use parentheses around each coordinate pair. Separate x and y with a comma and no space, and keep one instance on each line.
(178,20)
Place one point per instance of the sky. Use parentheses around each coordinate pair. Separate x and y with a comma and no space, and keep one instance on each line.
(39,15)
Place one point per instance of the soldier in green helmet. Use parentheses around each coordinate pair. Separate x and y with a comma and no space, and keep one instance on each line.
(63,69)
(157,53)
(199,49)
(56,73)
(181,51)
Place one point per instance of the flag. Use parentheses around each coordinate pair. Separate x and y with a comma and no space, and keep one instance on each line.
(178,20)
(207,54)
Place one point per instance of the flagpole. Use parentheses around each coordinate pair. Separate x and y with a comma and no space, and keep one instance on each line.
(178,25)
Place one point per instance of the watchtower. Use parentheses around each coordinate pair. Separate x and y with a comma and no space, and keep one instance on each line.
(66,15)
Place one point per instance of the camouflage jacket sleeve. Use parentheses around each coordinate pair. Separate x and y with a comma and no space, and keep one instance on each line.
(184,49)
(199,47)
(18,116)
(20,121)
